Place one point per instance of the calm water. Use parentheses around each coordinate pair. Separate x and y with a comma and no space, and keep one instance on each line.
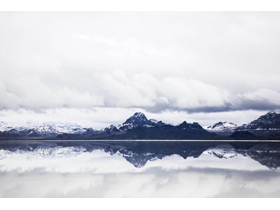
(139,169)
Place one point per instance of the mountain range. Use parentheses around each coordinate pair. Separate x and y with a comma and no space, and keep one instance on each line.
(139,127)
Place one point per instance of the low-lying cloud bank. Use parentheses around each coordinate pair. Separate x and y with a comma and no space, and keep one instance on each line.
(102,117)
(141,90)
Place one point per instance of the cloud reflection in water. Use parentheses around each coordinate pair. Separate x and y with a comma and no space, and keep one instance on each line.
(73,172)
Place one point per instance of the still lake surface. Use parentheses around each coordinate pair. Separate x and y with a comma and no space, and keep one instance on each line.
(139,169)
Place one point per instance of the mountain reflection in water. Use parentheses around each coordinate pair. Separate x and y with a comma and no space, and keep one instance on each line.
(139,153)
(139,169)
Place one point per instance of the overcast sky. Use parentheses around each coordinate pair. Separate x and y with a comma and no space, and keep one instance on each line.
(98,68)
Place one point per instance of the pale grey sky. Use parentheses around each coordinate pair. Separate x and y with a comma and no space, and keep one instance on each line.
(191,63)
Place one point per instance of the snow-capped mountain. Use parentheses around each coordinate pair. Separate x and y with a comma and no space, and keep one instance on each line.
(221,127)
(267,122)
(139,127)
(41,127)
(138,119)
(135,127)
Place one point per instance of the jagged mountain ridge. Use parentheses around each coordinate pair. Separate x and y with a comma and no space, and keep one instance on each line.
(135,127)
(139,127)
(32,129)
(266,127)
(42,127)
(269,121)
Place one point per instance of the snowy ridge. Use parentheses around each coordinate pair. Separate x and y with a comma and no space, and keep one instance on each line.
(269,121)
(221,127)
(42,127)
(134,126)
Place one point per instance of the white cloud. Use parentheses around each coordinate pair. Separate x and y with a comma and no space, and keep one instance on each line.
(157,61)
(117,89)
(271,96)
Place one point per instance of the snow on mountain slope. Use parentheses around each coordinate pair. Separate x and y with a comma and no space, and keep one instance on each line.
(42,127)
(138,119)
(269,121)
(221,127)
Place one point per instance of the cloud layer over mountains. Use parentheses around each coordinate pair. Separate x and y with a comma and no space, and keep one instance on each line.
(157,61)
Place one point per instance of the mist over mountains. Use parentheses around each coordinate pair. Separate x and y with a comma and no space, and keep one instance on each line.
(138,126)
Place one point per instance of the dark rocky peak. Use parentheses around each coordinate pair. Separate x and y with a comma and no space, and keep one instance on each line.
(185,125)
(89,130)
(137,119)
(160,123)
(111,129)
(217,125)
(196,125)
